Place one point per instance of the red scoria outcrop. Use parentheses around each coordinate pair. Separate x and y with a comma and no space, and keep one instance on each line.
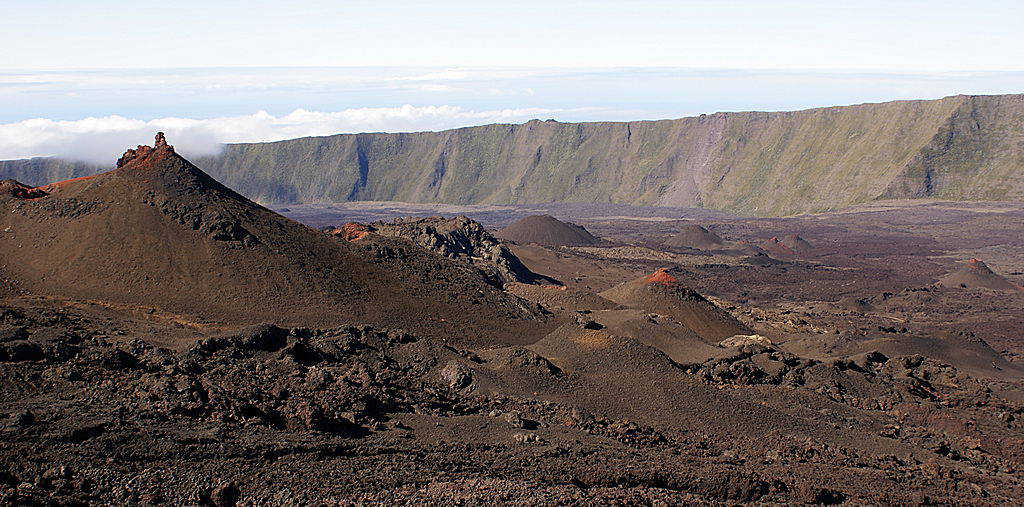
(160,148)
(351,231)
(661,276)
(19,190)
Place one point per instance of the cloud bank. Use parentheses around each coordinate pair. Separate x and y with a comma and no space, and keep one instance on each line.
(101,140)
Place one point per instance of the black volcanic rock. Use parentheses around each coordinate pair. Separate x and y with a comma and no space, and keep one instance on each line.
(462,239)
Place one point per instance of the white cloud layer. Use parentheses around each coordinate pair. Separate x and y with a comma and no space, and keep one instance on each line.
(101,140)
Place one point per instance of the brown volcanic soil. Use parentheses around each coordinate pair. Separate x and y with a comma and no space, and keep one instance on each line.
(560,297)
(975,274)
(159,232)
(695,236)
(547,230)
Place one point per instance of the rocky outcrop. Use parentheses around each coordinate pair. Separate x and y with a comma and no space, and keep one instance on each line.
(142,151)
(462,239)
(19,191)
(351,231)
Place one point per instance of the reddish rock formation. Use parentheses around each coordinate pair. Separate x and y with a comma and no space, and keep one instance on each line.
(351,231)
(160,148)
(661,276)
(19,190)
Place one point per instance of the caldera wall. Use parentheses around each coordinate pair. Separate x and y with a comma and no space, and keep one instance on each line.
(962,147)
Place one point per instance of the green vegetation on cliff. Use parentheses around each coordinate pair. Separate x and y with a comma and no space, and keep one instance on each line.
(962,147)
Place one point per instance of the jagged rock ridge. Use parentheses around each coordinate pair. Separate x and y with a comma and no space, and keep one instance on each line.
(459,238)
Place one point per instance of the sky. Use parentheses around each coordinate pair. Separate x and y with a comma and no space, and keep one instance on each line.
(85,79)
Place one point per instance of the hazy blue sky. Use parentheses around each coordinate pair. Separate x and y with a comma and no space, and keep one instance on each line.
(85,78)
(865,34)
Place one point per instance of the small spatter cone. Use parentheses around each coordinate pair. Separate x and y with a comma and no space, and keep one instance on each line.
(661,276)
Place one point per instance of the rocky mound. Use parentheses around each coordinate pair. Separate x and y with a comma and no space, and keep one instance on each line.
(661,292)
(547,230)
(762,259)
(695,236)
(975,274)
(158,232)
(789,245)
(462,239)
(856,305)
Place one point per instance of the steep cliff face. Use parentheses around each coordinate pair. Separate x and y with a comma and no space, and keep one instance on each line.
(750,162)
(977,154)
(820,159)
